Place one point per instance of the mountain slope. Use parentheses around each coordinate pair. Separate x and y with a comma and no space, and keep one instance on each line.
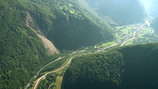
(123,12)
(131,67)
(22,52)
(154,24)
(69,26)
(47,44)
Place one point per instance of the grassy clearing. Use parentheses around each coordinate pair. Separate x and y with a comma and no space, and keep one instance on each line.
(108,44)
(58,82)
(119,27)
(125,31)
(117,36)
(147,30)
(129,43)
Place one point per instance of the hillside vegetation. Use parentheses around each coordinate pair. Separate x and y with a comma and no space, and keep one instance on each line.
(67,24)
(130,67)
(21,51)
(64,23)
(123,12)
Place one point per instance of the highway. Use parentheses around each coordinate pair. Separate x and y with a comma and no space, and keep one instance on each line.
(131,37)
(42,77)
(59,58)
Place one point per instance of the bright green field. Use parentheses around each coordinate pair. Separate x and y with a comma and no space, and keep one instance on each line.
(108,44)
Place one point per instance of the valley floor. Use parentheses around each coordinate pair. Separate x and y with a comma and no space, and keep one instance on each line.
(124,35)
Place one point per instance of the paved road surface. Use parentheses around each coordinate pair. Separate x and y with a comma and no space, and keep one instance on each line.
(42,77)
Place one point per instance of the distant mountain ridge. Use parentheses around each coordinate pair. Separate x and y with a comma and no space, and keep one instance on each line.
(123,12)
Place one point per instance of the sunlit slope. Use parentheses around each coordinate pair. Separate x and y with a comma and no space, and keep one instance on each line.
(64,23)
(69,24)
(130,67)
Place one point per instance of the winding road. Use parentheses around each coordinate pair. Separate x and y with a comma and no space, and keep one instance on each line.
(132,37)
(59,58)
(42,77)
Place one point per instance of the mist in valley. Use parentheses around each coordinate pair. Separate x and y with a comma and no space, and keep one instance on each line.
(126,11)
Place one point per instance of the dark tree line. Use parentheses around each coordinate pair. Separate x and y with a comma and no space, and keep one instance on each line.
(131,67)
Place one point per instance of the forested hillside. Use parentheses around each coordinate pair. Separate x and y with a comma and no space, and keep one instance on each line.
(21,51)
(67,25)
(131,67)
(123,12)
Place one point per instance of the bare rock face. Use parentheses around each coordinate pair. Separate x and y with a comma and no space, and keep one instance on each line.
(47,44)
